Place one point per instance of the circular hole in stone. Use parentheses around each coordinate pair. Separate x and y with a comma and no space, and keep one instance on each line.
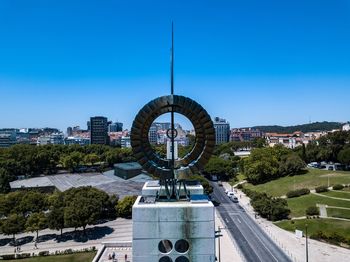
(166,259)
(165,246)
(182,259)
(182,246)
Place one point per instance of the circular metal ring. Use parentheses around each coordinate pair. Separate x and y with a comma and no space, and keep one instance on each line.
(194,160)
(171,134)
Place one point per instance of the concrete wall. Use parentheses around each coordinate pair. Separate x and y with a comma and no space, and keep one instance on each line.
(173,221)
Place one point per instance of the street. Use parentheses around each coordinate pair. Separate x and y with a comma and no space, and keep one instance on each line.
(253,242)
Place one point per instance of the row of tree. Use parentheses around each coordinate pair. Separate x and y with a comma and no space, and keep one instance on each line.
(77,207)
(28,161)
(332,147)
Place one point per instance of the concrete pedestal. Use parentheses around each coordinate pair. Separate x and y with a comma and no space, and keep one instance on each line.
(177,231)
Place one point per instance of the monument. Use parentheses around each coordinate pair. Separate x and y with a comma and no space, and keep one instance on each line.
(173,219)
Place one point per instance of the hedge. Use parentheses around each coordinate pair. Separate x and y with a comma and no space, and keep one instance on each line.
(321,189)
(298,192)
(312,211)
(338,187)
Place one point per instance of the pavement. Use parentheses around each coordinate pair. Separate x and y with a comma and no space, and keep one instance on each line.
(293,246)
(253,242)
(116,230)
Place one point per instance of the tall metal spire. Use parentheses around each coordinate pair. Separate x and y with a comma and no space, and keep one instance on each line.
(172,108)
(172,58)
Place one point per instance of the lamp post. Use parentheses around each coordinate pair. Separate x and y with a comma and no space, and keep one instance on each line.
(218,235)
(306,246)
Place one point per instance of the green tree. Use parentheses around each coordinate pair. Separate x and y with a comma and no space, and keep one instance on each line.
(91,159)
(344,156)
(5,179)
(262,165)
(36,222)
(10,203)
(124,206)
(56,214)
(72,161)
(13,225)
(291,164)
(208,189)
(83,206)
(33,201)
(220,167)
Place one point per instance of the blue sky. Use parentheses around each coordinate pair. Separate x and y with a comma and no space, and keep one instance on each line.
(251,62)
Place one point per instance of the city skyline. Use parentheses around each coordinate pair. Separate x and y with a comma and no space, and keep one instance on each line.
(61,63)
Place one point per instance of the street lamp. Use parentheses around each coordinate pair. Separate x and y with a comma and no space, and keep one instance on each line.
(218,235)
(306,246)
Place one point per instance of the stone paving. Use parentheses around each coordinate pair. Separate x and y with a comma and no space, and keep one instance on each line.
(116,230)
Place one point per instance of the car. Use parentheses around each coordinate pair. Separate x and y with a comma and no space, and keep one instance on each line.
(234,199)
(230,194)
(219,183)
(215,202)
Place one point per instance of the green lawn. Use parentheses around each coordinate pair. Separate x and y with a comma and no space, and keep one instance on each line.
(327,226)
(338,194)
(298,205)
(336,212)
(313,178)
(79,257)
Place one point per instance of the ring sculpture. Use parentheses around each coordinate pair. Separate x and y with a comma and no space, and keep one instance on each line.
(190,163)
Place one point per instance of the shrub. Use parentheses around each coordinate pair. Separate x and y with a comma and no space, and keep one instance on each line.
(312,211)
(23,255)
(298,192)
(239,186)
(338,187)
(8,257)
(319,235)
(321,189)
(44,253)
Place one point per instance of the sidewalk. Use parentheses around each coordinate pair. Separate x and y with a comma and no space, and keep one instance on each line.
(293,246)
(116,230)
(228,249)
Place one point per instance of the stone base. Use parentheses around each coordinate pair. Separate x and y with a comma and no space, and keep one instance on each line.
(177,231)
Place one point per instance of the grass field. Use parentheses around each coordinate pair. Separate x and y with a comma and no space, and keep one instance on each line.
(338,194)
(313,178)
(341,213)
(327,226)
(80,257)
(298,205)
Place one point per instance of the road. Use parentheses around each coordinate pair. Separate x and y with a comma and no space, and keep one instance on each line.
(253,242)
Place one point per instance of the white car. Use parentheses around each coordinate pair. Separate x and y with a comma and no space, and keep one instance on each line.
(230,194)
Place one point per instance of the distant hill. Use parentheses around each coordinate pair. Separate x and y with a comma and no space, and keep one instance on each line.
(312,127)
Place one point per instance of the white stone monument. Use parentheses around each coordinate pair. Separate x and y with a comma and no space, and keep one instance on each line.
(173,231)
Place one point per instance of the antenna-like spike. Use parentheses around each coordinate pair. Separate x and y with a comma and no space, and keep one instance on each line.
(172,58)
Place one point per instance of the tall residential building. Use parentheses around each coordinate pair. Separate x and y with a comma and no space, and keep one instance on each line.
(99,130)
(115,127)
(222,130)
(153,134)
(69,131)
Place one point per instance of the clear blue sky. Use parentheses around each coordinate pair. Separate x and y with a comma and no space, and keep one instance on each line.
(251,62)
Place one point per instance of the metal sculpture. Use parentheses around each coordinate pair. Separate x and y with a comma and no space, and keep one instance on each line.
(173,172)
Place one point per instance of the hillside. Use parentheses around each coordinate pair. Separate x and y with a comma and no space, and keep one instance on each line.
(312,127)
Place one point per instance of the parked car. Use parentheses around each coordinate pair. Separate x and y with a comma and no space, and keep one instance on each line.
(230,194)
(215,202)
(234,199)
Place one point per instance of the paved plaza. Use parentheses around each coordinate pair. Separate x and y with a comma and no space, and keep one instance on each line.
(116,230)
(107,182)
